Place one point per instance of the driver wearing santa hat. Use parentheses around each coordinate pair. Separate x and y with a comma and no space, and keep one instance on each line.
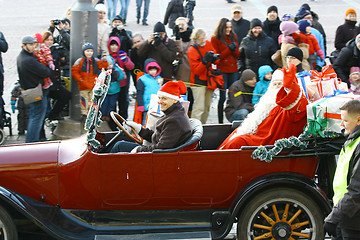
(171,130)
(286,119)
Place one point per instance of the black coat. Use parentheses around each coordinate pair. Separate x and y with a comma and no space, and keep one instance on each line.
(256,52)
(348,57)
(347,211)
(272,29)
(31,71)
(174,10)
(241,28)
(344,33)
(3,48)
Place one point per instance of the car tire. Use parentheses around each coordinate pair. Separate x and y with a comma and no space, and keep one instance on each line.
(7,226)
(258,217)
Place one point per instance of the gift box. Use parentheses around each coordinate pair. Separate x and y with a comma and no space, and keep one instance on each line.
(322,83)
(324,114)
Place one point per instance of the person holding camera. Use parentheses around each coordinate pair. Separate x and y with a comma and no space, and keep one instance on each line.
(201,58)
(161,48)
(174,10)
(225,43)
(63,39)
(124,35)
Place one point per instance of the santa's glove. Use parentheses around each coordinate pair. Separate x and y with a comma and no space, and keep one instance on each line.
(320,53)
(330,228)
(13,107)
(232,46)
(134,125)
(51,65)
(289,76)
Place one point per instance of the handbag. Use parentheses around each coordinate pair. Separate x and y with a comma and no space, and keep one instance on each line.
(32,94)
(276,58)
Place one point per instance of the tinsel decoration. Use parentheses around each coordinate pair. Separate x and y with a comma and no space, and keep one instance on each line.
(93,119)
(267,155)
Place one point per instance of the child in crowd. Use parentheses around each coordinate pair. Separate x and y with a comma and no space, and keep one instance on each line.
(307,37)
(23,114)
(43,54)
(110,100)
(265,74)
(354,79)
(148,84)
(84,71)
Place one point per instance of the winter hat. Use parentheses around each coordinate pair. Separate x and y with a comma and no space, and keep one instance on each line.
(37,37)
(247,75)
(87,45)
(302,13)
(118,17)
(28,40)
(172,90)
(272,8)
(278,74)
(101,7)
(287,17)
(306,6)
(354,70)
(151,63)
(350,10)
(295,52)
(67,20)
(255,23)
(159,27)
(288,27)
(236,8)
(303,24)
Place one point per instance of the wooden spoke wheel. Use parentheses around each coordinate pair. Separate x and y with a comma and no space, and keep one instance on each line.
(120,121)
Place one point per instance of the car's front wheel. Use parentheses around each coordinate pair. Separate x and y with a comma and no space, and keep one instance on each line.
(7,226)
(280,214)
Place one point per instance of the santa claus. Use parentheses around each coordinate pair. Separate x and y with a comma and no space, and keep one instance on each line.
(281,113)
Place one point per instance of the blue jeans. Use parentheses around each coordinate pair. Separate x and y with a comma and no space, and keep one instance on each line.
(229,79)
(146,9)
(123,146)
(109,104)
(112,8)
(124,8)
(36,119)
(123,99)
(240,114)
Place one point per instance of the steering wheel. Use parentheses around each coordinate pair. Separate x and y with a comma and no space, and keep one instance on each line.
(120,121)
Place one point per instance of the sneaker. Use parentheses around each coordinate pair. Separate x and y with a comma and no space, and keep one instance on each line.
(47,83)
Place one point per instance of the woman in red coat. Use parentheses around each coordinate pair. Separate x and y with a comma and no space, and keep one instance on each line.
(225,43)
(286,119)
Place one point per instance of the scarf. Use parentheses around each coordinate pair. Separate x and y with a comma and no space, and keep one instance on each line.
(86,66)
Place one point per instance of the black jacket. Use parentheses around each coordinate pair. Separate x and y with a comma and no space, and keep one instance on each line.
(344,33)
(174,10)
(241,28)
(172,130)
(3,48)
(272,29)
(125,37)
(31,71)
(347,212)
(348,57)
(256,52)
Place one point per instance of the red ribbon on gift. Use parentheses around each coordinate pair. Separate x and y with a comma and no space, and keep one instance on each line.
(327,73)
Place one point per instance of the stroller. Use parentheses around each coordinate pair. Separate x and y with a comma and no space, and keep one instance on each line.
(5,121)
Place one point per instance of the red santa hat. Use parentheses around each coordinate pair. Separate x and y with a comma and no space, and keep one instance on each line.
(172,90)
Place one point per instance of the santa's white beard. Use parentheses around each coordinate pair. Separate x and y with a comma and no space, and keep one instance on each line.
(261,111)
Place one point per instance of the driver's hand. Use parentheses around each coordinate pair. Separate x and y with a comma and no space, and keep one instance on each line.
(137,127)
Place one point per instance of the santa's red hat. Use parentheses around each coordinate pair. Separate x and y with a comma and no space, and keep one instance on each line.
(172,90)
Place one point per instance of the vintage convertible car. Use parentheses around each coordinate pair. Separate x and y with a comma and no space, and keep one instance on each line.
(73,192)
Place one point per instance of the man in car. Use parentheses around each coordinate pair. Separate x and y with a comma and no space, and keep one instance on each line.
(171,130)
(344,220)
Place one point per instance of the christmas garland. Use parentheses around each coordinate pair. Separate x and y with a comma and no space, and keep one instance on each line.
(93,119)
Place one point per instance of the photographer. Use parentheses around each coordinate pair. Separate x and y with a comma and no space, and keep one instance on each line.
(124,35)
(201,58)
(63,39)
(161,48)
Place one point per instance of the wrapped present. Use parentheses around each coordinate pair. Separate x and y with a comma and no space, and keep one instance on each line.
(322,83)
(324,115)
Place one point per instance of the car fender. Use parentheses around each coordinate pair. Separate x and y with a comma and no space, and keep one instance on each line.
(300,182)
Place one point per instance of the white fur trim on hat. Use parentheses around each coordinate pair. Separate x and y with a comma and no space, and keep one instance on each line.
(165,94)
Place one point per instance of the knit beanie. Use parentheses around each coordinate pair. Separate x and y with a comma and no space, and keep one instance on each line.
(302,13)
(354,70)
(247,75)
(303,24)
(272,8)
(37,37)
(172,89)
(255,23)
(350,10)
(288,27)
(159,27)
(87,45)
(118,17)
(295,52)
(287,17)
(306,6)
(101,7)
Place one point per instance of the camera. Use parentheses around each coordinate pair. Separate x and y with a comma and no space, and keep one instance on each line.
(157,35)
(214,57)
(57,21)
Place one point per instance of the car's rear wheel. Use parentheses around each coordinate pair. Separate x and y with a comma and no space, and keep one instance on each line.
(7,226)
(280,214)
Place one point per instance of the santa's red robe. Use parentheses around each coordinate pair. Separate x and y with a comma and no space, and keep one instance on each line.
(287,119)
